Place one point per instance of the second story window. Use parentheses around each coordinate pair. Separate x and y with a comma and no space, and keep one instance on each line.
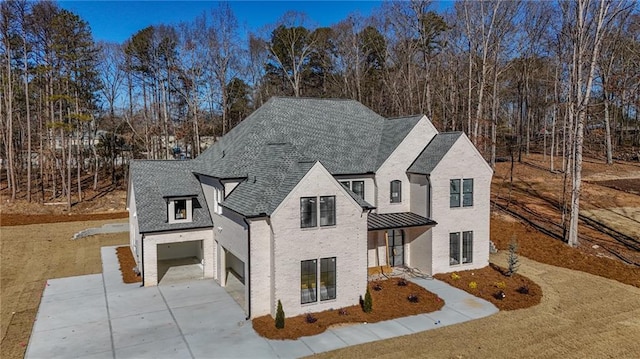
(308,212)
(356,186)
(396,191)
(180,210)
(180,207)
(467,192)
(328,211)
(461,196)
(454,193)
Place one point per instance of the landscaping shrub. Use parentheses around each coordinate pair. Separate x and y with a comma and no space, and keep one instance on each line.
(367,305)
(377,287)
(513,261)
(413,298)
(473,285)
(523,290)
(402,282)
(279,316)
(499,295)
(311,319)
(343,311)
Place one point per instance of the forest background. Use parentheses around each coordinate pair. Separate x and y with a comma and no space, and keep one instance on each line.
(555,77)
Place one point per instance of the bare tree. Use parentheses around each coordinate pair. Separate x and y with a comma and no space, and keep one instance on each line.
(588,21)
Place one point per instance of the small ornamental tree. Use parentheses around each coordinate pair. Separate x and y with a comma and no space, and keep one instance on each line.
(279,316)
(367,306)
(513,261)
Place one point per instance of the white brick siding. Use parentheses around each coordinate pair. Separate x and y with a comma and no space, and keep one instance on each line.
(134,230)
(347,241)
(395,167)
(462,161)
(150,249)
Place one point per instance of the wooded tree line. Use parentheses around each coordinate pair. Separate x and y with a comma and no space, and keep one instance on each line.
(515,76)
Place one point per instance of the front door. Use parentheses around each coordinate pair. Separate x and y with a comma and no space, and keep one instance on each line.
(396,247)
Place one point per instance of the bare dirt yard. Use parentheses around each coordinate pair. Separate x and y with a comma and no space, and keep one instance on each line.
(609,204)
(31,254)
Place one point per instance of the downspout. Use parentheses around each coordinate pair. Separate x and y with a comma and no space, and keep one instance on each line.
(248,273)
(142,260)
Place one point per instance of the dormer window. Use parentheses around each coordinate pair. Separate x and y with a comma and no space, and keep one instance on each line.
(179,210)
(180,207)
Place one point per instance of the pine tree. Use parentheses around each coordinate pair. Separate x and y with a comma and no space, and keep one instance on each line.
(279,316)
(513,260)
(367,307)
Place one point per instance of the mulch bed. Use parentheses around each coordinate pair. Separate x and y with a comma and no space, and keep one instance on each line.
(388,303)
(519,291)
(127,263)
(13,219)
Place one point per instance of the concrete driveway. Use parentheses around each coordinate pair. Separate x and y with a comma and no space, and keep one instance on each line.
(97,316)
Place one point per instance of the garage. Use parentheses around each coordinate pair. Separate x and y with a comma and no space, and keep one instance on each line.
(180,261)
(234,277)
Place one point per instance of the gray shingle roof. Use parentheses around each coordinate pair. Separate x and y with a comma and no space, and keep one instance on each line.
(277,170)
(271,150)
(393,132)
(376,222)
(346,136)
(433,153)
(154,181)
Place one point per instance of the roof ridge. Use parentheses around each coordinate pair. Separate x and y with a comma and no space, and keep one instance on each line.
(315,98)
(405,117)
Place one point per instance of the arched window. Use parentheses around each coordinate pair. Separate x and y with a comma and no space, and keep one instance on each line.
(396,191)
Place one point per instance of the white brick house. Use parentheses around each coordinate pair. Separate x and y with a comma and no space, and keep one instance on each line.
(306,197)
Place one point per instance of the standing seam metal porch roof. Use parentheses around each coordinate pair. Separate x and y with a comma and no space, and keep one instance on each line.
(376,222)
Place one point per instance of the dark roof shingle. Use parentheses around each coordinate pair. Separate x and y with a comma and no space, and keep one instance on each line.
(434,152)
(154,181)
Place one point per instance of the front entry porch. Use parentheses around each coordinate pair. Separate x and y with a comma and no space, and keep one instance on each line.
(390,240)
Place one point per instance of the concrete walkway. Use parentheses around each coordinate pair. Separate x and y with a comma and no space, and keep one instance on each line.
(97,316)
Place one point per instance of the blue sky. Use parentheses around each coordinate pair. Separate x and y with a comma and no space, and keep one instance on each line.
(116,21)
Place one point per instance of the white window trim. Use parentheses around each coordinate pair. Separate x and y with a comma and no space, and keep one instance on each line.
(171,215)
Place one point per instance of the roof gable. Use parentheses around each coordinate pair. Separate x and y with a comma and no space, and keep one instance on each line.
(393,132)
(433,153)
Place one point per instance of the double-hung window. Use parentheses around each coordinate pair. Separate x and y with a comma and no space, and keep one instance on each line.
(308,212)
(309,280)
(467,192)
(327,211)
(461,195)
(396,191)
(460,252)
